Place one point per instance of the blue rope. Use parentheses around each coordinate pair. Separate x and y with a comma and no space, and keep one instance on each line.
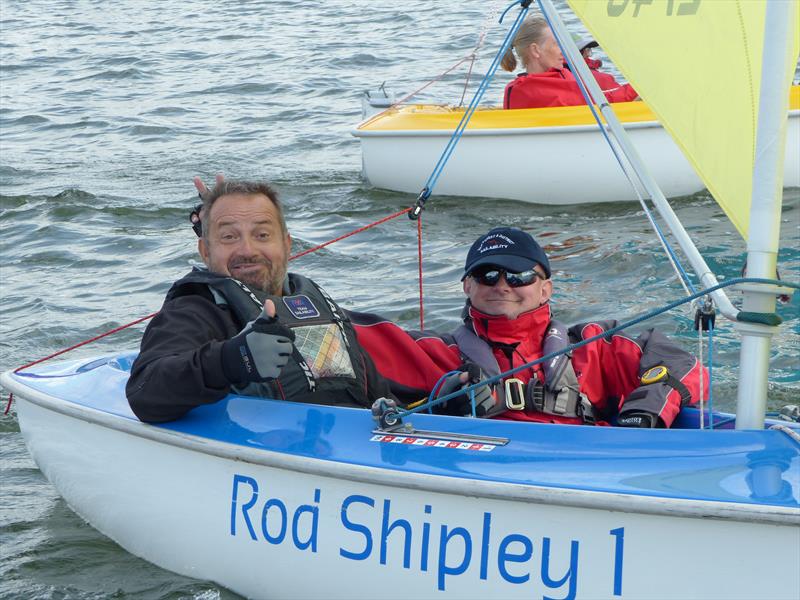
(472,401)
(587,98)
(427,189)
(430,404)
(604,335)
(473,105)
(432,401)
(711,375)
(523,3)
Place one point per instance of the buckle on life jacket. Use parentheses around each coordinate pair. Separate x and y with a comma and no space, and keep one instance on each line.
(561,398)
(586,411)
(515,393)
(534,394)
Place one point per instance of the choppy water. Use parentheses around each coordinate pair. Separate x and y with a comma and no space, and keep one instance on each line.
(108,109)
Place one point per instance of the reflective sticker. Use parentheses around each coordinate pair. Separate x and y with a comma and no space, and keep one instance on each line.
(301,307)
(415,441)
(324,350)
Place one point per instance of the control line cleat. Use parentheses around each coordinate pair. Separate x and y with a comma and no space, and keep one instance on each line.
(386,413)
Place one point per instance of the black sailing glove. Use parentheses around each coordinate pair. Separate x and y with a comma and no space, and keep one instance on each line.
(639,419)
(258,352)
(641,406)
(461,405)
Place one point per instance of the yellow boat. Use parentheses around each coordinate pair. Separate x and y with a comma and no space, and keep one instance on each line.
(542,155)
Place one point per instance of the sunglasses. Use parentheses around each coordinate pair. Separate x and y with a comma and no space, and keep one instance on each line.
(490,275)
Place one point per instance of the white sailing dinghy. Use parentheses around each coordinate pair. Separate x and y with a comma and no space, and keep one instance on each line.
(495,156)
(273,499)
(530,154)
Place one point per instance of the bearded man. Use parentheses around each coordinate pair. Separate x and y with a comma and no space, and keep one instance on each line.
(244,325)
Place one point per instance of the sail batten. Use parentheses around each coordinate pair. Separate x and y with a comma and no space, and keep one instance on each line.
(697,64)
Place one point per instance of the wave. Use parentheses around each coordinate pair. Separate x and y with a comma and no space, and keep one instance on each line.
(116,75)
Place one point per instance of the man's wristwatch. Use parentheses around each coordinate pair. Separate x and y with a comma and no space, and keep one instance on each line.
(660,374)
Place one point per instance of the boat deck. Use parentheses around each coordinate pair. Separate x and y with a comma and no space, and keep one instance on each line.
(445,118)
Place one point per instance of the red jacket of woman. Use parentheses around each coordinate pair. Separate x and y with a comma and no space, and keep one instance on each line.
(558,87)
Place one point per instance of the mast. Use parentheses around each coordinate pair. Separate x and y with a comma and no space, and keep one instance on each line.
(765,214)
(766,199)
(578,65)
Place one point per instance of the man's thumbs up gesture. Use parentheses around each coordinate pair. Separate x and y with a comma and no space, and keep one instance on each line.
(259,351)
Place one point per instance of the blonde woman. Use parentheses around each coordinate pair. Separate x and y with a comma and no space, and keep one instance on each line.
(546,82)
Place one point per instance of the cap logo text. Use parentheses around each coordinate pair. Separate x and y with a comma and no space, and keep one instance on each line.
(495,242)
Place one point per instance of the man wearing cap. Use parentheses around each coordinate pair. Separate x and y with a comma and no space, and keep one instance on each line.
(634,382)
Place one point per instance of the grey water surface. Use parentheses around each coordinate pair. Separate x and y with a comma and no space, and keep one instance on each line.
(107,110)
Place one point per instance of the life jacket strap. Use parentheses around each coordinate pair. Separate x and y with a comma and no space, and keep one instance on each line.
(560,396)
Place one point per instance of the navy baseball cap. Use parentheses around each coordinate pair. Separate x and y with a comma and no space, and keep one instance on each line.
(508,248)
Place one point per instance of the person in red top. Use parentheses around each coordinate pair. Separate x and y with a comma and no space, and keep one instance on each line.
(606,81)
(641,381)
(546,82)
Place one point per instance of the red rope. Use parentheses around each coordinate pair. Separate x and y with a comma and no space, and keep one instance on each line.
(83,343)
(328,243)
(65,350)
(432,81)
(466,82)
(347,235)
(419,254)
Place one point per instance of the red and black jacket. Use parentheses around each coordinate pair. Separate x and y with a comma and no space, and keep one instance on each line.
(608,370)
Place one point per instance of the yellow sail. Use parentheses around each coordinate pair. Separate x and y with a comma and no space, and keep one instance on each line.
(697,64)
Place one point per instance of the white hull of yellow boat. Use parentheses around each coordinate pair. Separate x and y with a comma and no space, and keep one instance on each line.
(561,157)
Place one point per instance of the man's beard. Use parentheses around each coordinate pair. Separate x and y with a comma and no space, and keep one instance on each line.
(271,282)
